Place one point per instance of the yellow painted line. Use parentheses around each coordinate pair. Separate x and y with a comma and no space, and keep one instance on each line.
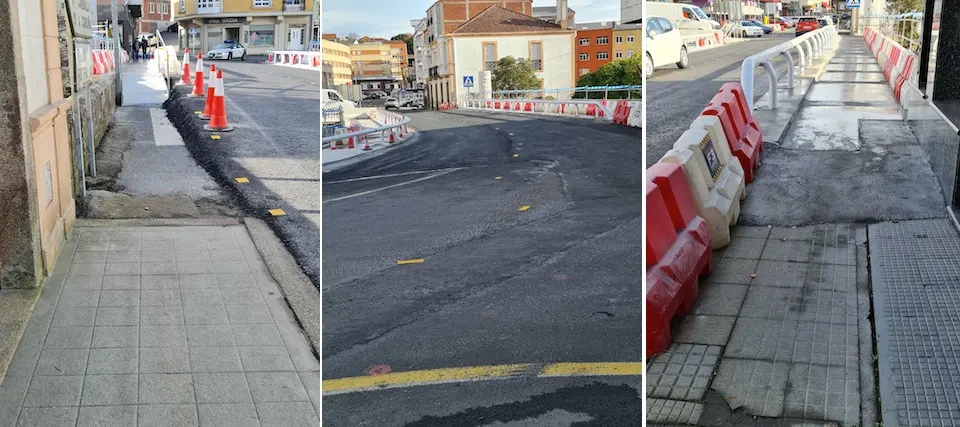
(516,155)
(277,212)
(198,112)
(510,133)
(523,208)
(410,261)
(477,373)
(499,177)
(242,180)
(217,137)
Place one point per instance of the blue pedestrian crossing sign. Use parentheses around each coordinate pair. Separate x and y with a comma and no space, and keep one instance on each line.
(853,4)
(467,81)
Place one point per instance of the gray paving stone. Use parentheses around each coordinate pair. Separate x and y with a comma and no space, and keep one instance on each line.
(229,414)
(158,297)
(74,316)
(164,360)
(288,414)
(158,268)
(118,316)
(234,280)
(752,231)
(201,297)
(683,372)
(256,334)
(87,269)
(240,296)
(116,336)
(156,281)
(117,255)
(194,267)
(167,415)
(205,315)
(54,391)
(230,267)
(69,337)
(742,248)
(99,390)
(113,361)
(832,277)
(794,233)
(166,315)
(166,388)
(770,302)
(222,388)
(210,336)
(125,246)
(48,417)
(192,255)
(279,309)
(198,281)
(737,272)
(107,416)
(704,329)
(124,298)
(227,255)
(795,342)
(249,313)
(159,254)
(669,411)
(313,382)
(789,250)
(756,385)
(60,361)
(224,243)
(79,299)
(276,387)
(720,299)
(116,283)
(824,392)
(89,256)
(300,351)
(781,274)
(122,269)
(265,358)
(82,283)
(215,359)
(163,336)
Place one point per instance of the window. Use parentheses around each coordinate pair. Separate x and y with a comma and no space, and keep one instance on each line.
(603,40)
(259,35)
(183,6)
(584,41)
(152,8)
(619,39)
(619,54)
(489,55)
(536,56)
(629,54)
(584,71)
(262,3)
(584,56)
(166,9)
(603,55)
(629,39)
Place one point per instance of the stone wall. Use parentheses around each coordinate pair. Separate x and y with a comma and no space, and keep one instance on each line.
(103,92)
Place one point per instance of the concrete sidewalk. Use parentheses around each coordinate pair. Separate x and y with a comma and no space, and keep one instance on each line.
(143,84)
(782,332)
(177,325)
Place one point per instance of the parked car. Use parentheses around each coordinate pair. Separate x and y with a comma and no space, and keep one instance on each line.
(687,17)
(749,29)
(409,101)
(228,50)
(332,99)
(785,22)
(824,21)
(806,24)
(663,45)
(765,28)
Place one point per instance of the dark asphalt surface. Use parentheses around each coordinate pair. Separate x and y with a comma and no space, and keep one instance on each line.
(276,144)
(676,97)
(559,282)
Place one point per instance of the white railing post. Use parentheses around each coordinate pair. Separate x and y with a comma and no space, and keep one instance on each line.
(746,80)
(803,62)
(772,76)
(790,71)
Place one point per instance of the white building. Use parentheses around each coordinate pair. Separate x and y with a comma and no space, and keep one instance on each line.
(631,11)
(497,33)
(421,53)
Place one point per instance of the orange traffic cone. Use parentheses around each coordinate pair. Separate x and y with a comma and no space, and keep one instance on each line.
(208,107)
(198,79)
(392,140)
(350,143)
(218,115)
(185,78)
(366,145)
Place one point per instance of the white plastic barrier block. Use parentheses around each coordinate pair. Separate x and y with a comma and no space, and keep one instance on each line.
(714,129)
(636,115)
(715,187)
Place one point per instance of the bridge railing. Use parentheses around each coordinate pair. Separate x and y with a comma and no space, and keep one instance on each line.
(577,108)
(807,47)
(389,123)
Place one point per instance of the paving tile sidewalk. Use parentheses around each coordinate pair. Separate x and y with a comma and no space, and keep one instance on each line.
(161,326)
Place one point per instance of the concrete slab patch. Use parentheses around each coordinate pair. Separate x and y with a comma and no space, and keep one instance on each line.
(682,372)
(720,299)
(852,77)
(824,392)
(854,67)
(851,93)
(756,385)
(780,273)
(704,329)
(736,272)
(808,132)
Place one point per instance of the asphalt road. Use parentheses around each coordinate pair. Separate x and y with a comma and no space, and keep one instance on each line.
(557,282)
(675,97)
(276,145)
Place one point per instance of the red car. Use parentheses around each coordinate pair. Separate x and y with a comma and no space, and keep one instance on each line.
(786,23)
(806,24)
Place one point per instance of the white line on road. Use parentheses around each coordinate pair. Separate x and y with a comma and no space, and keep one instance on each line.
(375,190)
(392,175)
(163,131)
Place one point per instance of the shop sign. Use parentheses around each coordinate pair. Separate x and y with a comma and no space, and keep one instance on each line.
(214,21)
(80,24)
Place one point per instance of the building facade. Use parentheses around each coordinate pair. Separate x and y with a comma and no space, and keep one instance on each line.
(260,25)
(594,46)
(627,40)
(337,65)
(549,14)
(156,16)
(631,11)
(497,33)
(376,66)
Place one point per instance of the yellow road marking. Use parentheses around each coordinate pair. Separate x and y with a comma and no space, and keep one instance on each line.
(510,133)
(277,212)
(477,373)
(499,177)
(410,261)
(198,112)
(214,136)
(523,208)
(242,180)
(516,155)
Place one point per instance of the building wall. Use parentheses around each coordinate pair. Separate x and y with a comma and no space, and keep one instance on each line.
(261,17)
(625,46)
(456,12)
(557,53)
(337,57)
(592,63)
(152,21)
(630,10)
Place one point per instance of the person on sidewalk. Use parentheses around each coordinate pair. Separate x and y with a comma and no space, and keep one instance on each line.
(136,48)
(144,45)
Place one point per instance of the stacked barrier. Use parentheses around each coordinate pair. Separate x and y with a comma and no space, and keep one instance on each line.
(104,62)
(899,64)
(693,198)
(299,59)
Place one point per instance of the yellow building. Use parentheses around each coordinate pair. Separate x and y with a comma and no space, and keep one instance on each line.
(627,41)
(259,25)
(377,65)
(337,64)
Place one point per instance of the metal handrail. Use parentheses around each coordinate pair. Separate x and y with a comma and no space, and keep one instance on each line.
(394,121)
(808,46)
(479,104)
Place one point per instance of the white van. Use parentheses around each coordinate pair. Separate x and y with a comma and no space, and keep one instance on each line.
(333,99)
(689,18)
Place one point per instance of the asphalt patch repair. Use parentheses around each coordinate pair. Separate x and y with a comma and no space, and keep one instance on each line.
(300,236)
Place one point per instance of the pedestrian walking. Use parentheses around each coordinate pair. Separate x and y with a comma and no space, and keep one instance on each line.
(136,49)
(144,45)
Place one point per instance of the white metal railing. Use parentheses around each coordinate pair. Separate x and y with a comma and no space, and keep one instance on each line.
(389,122)
(905,28)
(808,46)
(544,106)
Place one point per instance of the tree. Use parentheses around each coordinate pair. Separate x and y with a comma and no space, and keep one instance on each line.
(621,72)
(406,38)
(901,6)
(511,73)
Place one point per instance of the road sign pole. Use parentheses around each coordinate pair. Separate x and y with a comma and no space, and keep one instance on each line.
(117,59)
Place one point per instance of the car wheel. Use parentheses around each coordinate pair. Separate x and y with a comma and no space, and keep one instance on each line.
(244,56)
(684,58)
(229,56)
(745,34)
(648,65)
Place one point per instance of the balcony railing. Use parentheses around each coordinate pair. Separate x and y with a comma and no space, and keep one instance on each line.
(293,5)
(207,7)
(489,65)
(537,64)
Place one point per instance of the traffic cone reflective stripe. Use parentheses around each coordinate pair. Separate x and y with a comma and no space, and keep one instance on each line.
(218,117)
(208,107)
(198,79)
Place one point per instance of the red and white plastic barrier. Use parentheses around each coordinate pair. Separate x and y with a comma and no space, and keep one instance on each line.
(104,62)
(299,59)
(899,64)
(739,126)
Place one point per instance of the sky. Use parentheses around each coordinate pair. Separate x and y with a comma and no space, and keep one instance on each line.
(387,18)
